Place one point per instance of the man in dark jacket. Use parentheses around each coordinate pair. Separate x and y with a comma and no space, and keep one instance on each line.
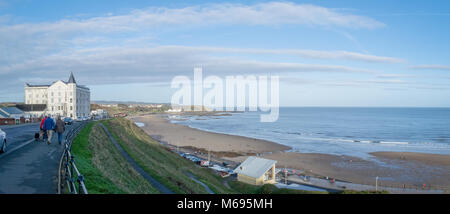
(49,125)
(60,128)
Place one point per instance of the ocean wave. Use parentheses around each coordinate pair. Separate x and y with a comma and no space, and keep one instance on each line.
(357,141)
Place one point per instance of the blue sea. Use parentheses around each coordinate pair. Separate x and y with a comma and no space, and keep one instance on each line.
(340,130)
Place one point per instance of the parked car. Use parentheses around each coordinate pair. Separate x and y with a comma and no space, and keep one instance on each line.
(2,141)
(68,121)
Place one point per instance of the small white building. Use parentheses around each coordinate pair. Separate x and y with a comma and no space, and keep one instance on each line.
(174,110)
(99,114)
(256,171)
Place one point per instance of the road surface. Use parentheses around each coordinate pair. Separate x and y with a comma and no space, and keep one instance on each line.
(19,134)
(29,167)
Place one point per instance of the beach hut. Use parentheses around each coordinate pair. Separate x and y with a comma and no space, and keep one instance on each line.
(256,171)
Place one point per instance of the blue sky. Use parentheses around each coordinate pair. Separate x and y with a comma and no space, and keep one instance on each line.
(327,53)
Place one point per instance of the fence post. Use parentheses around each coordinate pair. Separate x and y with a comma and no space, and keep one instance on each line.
(80,187)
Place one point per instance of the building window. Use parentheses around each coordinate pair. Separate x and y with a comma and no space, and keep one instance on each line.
(71,108)
(70,100)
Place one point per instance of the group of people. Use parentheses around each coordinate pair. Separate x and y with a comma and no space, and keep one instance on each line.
(48,126)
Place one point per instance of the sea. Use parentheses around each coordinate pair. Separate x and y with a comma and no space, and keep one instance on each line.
(353,131)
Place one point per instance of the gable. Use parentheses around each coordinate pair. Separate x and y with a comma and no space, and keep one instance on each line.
(58,84)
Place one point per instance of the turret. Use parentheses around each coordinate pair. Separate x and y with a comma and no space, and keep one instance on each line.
(72,79)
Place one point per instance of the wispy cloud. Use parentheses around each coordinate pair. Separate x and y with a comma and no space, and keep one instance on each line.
(431,67)
(162,60)
(301,53)
(394,76)
(271,13)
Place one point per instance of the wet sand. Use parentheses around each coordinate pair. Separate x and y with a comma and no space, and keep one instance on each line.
(430,159)
(393,168)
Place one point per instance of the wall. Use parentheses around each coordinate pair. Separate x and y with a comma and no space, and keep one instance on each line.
(250,180)
(7,121)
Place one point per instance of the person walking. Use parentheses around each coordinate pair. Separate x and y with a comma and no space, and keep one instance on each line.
(49,125)
(41,130)
(60,128)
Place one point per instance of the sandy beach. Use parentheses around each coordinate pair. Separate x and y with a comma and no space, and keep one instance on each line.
(182,136)
(393,168)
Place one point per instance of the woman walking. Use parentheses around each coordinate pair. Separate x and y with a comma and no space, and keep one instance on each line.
(60,128)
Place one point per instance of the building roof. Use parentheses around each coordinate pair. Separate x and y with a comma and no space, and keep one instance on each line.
(11,110)
(255,167)
(71,78)
(32,107)
(29,85)
(3,115)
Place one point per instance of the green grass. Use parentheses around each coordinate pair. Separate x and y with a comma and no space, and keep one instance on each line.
(104,169)
(164,165)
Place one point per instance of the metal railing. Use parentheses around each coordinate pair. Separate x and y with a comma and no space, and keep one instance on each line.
(68,171)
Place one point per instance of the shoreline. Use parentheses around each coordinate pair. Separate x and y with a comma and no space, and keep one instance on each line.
(398,168)
(183,136)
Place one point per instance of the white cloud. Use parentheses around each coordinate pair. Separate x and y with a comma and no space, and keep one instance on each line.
(162,60)
(431,67)
(298,52)
(19,42)
(393,76)
(271,13)
(95,50)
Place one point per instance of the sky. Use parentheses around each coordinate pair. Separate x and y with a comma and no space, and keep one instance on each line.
(326,53)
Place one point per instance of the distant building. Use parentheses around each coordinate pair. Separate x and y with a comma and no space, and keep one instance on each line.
(33,110)
(99,114)
(256,171)
(174,110)
(67,99)
(120,115)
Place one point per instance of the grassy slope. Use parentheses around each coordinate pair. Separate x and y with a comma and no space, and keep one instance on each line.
(105,170)
(164,165)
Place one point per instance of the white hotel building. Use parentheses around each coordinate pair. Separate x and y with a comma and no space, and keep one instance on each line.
(67,99)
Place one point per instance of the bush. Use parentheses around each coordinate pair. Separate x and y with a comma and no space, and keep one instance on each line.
(267,189)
